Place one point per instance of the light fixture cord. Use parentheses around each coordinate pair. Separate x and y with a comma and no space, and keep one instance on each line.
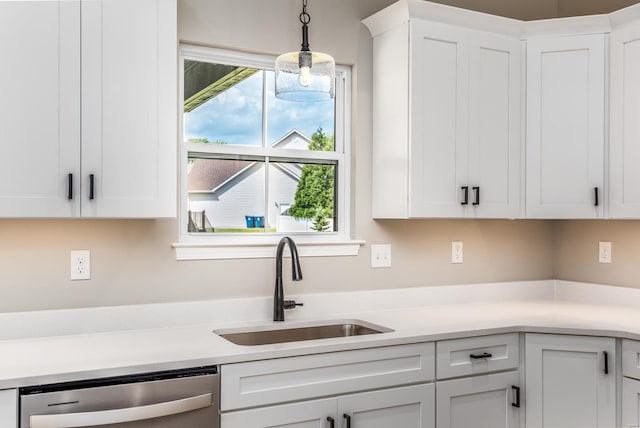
(305,18)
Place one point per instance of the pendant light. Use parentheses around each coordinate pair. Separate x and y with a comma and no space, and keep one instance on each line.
(305,75)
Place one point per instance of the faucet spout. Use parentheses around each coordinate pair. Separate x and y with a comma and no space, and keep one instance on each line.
(279,304)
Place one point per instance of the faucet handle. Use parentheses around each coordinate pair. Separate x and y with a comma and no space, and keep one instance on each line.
(290,304)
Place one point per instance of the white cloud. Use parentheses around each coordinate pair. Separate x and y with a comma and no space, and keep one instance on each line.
(235,115)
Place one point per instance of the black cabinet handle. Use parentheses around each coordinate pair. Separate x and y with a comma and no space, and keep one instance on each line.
(70,186)
(606,362)
(91,186)
(348,419)
(332,422)
(517,390)
(476,191)
(595,191)
(482,356)
(465,197)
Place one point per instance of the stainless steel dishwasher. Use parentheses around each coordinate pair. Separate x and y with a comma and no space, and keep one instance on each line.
(170,399)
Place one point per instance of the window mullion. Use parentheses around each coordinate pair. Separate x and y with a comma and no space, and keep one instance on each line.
(267,167)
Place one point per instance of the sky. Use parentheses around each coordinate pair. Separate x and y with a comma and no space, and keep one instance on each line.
(235,115)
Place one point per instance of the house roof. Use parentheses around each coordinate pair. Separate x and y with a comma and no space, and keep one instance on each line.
(207,174)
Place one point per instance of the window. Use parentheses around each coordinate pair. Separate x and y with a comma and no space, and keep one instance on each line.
(254,167)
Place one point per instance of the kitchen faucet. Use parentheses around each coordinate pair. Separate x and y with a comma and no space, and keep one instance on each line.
(279,304)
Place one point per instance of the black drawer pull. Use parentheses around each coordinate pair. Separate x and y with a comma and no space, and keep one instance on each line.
(606,362)
(348,419)
(517,390)
(595,190)
(482,356)
(332,422)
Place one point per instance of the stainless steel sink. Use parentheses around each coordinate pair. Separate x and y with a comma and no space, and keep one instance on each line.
(270,335)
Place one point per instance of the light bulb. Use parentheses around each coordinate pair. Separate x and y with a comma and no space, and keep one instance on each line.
(305,78)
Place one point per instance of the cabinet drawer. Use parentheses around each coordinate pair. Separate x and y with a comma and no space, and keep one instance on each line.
(464,357)
(264,382)
(631,358)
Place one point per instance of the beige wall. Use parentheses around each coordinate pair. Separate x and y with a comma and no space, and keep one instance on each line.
(525,10)
(132,261)
(576,251)
(528,10)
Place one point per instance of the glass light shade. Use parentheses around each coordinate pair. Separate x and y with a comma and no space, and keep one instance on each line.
(301,83)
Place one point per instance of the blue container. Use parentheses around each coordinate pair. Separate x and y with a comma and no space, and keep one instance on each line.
(251,221)
(259,222)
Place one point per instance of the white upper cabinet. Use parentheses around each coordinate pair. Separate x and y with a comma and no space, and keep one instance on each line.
(88,123)
(449,87)
(438,119)
(39,108)
(495,145)
(446,116)
(129,108)
(565,126)
(624,141)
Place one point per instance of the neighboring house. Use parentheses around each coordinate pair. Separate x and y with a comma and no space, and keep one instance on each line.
(229,190)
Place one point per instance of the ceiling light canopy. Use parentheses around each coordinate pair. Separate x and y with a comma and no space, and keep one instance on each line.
(305,75)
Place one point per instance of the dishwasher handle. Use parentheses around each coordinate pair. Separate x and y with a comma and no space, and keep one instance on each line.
(129,414)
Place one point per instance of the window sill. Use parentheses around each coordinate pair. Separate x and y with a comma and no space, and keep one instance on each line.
(207,251)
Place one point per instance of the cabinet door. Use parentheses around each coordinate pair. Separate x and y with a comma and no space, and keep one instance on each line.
(485,401)
(439,119)
(566,383)
(129,108)
(408,407)
(306,414)
(630,403)
(494,125)
(624,141)
(9,408)
(565,127)
(39,108)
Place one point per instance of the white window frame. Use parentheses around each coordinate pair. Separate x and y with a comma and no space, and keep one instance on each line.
(198,246)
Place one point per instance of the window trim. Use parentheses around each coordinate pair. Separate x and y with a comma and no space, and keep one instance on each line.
(233,246)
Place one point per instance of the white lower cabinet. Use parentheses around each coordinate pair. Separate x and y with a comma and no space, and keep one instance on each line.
(306,414)
(630,403)
(9,408)
(630,384)
(570,381)
(367,388)
(487,401)
(406,407)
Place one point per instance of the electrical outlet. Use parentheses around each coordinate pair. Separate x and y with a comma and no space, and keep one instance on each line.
(80,265)
(604,252)
(456,252)
(381,256)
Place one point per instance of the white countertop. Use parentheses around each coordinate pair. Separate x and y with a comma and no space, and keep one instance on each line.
(105,342)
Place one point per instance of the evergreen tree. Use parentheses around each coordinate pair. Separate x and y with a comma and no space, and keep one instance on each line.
(315,192)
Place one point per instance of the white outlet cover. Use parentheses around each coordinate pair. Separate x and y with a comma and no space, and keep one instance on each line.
(457,252)
(604,252)
(80,265)
(381,256)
